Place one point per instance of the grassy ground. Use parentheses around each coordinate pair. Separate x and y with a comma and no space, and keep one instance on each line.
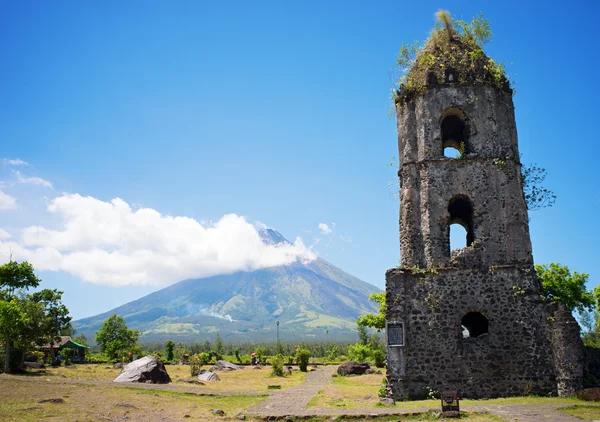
(362,392)
(246,380)
(20,401)
(426,416)
(584,412)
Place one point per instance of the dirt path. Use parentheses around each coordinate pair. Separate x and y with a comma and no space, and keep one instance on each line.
(293,400)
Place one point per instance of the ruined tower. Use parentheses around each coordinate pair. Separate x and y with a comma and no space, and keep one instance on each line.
(470,319)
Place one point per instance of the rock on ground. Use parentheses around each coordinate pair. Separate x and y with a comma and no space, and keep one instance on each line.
(208,376)
(147,369)
(223,365)
(353,368)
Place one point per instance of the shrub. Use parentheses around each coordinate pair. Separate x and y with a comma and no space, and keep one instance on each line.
(359,352)
(588,394)
(382,392)
(195,365)
(38,356)
(277,365)
(237,355)
(379,358)
(96,358)
(302,357)
(65,355)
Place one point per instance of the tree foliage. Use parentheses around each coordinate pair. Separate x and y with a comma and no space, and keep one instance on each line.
(169,346)
(115,339)
(56,315)
(372,320)
(536,195)
(27,319)
(14,276)
(559,285)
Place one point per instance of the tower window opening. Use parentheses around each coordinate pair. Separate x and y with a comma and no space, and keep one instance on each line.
(461,212)
(454,135)
(475,324)
(458,236)
(451,152)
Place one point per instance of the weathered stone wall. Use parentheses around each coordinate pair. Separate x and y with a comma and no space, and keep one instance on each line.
(514,358)
(492,280)
(485,175)
(568,351)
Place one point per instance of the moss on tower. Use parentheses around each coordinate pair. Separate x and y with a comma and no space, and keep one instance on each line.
(453,54)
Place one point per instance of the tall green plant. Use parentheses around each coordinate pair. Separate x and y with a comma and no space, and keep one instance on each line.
(302,357)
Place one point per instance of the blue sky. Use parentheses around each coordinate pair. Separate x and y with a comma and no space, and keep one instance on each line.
(277,112)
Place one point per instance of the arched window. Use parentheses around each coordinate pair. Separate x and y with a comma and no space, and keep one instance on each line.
(461,212)
(454,133)
(475,324)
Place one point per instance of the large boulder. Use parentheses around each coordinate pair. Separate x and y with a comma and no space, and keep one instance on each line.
(223,365)
(147,369)
(352,368)
(208,376)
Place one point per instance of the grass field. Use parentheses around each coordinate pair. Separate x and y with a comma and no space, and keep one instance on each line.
(362,392)
(20,401)
(246,380)
(86,392)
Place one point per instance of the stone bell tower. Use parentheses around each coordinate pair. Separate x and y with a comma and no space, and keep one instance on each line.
(469,319)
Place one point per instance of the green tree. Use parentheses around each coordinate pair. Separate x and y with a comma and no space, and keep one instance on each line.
(15,276)
(559,285)
(81,339)
(56,315)
(359,352)
(169,346)
(115,339)
(372,320)
(219,347)
(19,316)
(363,335)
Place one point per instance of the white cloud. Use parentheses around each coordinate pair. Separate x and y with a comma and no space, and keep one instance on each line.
(7,202)
(109,243)
(4,234)
(33,180)
(346,239)
(15,162)
(325,229)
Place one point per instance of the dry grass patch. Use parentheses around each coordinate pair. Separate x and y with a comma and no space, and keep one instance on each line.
(20,401)
(246,380)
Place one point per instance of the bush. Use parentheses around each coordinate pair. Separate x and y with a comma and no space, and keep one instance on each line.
(277,365)
(65,355)
(96,358)
(588,394)
(195,365)
(359,352)
(38,356)
(302,357)
(379,358)
(382,392)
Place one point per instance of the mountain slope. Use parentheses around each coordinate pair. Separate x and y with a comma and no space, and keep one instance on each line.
(316,300)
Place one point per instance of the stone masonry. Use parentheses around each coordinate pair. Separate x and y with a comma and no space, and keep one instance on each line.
(470,319)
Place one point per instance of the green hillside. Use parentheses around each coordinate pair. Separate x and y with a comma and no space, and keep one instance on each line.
(311,301)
